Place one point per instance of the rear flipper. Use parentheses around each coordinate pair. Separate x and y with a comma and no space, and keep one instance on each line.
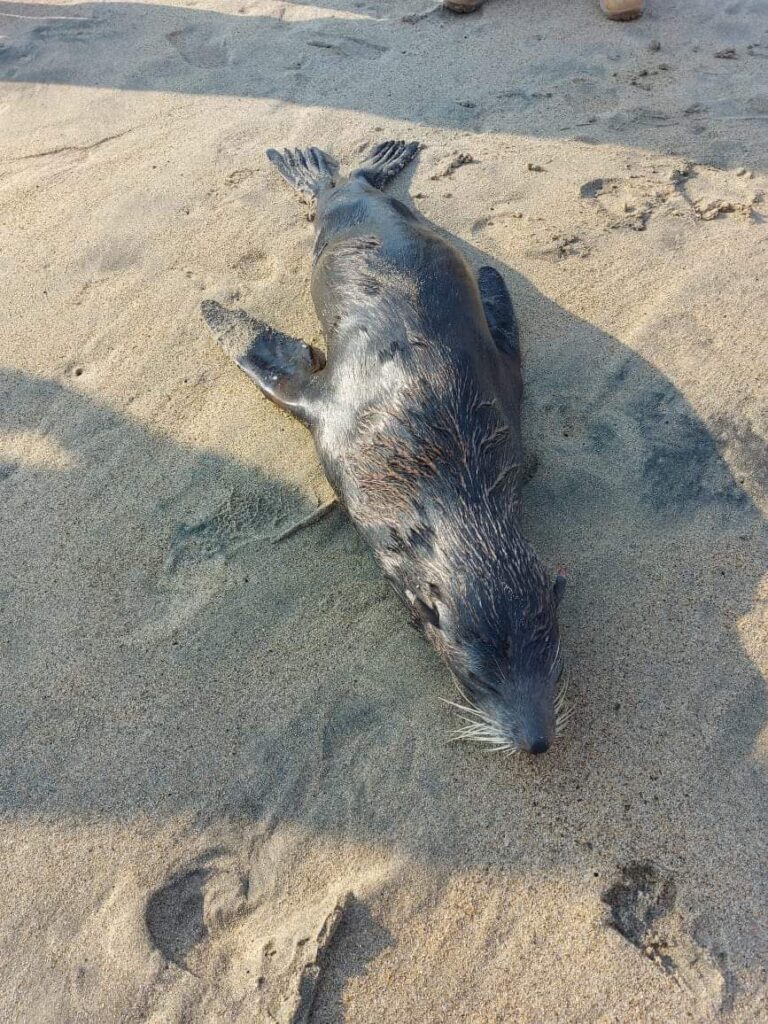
(282,366)
(385,162)
(308,170)
(499,311)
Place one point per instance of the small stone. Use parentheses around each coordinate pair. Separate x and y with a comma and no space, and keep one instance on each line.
(727,54)
(654,46)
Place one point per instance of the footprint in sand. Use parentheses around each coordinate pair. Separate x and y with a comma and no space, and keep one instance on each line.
(626,204)
(194,905)
(254,265)
(239,520)
(348,46)
(641,904)
(637,902)
(199,49)
(681,468)
(499,215)
(174,915)
(232,950)
(67,29)
(238,176)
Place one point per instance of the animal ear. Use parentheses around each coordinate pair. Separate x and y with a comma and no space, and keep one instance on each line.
(427,613)
(422,613)
(558,587)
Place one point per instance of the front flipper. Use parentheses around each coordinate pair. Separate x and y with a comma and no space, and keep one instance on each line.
(499,311)
(282,366)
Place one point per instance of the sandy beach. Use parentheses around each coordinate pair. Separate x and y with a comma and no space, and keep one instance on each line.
(227,784)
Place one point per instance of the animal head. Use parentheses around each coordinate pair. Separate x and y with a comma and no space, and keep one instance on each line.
(493,620)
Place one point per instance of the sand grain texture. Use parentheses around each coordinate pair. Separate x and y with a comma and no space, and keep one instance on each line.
(227,790)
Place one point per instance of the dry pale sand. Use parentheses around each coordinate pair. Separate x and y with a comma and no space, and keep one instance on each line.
(227,787)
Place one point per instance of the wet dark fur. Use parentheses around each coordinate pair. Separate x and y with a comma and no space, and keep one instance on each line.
(416,418)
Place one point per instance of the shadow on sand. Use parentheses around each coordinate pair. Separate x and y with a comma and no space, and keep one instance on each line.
(163,653)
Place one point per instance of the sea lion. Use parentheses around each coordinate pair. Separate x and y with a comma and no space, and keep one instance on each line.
(416,419)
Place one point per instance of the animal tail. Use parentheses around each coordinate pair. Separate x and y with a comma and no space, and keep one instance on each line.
(385,162)
(310,171)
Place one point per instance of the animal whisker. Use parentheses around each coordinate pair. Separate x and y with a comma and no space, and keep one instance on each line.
(468,709)
(563,707)
(481,729)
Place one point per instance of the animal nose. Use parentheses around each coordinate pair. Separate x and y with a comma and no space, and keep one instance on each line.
(539,746)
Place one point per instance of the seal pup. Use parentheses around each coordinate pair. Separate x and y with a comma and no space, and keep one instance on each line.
(415,414)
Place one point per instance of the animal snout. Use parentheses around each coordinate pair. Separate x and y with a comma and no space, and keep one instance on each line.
(537,734)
